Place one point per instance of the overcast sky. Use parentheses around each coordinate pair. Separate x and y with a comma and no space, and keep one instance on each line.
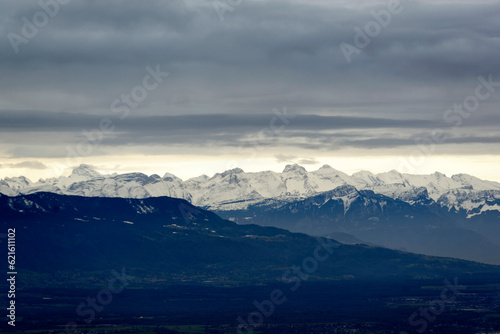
(200,86)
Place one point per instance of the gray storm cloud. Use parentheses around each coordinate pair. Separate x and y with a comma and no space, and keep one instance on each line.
(227,76)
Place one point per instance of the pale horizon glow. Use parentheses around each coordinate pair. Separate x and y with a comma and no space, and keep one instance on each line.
(185,167)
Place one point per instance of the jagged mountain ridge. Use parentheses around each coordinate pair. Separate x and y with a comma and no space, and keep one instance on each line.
(422,227)
(235,190)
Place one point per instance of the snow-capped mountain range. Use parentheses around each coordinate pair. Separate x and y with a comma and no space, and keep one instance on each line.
(235,190)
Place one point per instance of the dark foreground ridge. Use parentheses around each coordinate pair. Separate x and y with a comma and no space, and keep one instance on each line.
(175,268)
(169,239)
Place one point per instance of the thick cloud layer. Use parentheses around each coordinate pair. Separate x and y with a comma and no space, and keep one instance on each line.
(229,67)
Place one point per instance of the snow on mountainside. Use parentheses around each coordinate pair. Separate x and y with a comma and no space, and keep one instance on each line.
(12,186)
(234,189)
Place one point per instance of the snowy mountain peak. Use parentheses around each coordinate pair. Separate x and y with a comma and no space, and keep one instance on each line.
(294,169)
(392,177)
(201,178)
(232,172)
(170,177)
(20,180)
(475,183)
(85,171)
(439,175)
